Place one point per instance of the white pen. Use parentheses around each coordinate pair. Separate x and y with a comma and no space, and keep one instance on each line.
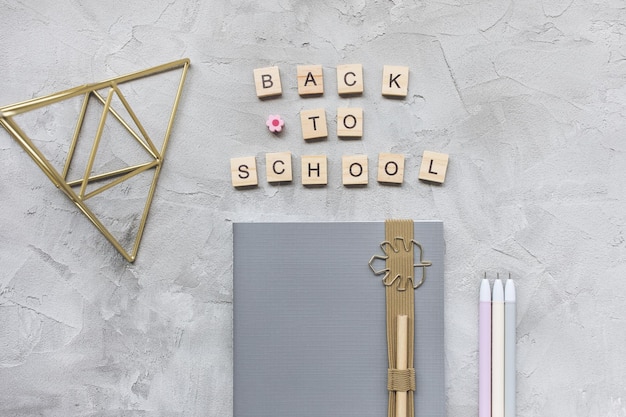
(509,348)
(497,350)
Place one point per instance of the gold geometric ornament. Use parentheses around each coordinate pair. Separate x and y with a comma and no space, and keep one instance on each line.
(92,182)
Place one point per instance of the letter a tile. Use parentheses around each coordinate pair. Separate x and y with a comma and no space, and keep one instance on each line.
(310,80)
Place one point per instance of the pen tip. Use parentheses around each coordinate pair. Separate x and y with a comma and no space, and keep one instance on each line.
(485,290)
(498,290)
(509,290)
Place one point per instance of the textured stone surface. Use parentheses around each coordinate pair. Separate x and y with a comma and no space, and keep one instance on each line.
(527,99)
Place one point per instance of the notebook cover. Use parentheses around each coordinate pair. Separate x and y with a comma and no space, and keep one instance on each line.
(309,321)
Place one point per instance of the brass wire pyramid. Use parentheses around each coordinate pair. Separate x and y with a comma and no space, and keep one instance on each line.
(76,190)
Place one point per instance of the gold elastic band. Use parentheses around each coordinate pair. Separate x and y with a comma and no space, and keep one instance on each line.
(401,379)
(400,298)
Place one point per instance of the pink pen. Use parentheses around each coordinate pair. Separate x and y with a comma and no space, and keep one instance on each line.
(484,350)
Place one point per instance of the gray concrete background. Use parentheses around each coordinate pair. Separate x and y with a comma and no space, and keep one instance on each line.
(528,99)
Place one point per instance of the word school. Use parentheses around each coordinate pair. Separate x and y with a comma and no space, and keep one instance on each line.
(314,169)
(395,80)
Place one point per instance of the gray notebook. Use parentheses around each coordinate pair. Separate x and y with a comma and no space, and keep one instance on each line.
(309,321)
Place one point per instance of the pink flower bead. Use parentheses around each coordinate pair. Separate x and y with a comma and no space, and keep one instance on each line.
(275,123)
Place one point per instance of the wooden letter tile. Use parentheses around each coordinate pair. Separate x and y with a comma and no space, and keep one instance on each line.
(310,80)
(267,82)
(434,167)
(313,124)
(243,171)
(391,168)
(354,169)
(278,167)
(350,79)
(350,122)
(395,81)
(314,170)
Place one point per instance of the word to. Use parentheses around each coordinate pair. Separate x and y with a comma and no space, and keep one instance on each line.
(314,169)
(349,123)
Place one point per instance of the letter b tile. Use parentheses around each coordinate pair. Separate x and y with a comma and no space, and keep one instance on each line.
(267,82)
